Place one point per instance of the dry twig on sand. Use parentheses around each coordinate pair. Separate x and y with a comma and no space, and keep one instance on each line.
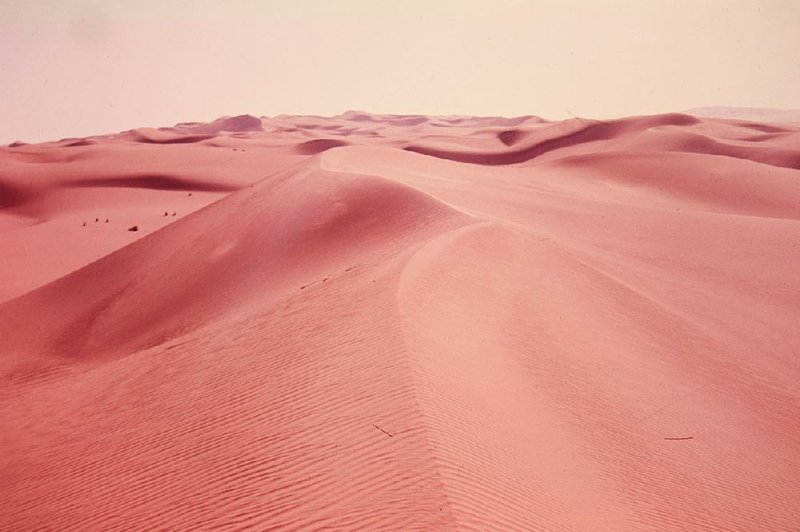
(380,429)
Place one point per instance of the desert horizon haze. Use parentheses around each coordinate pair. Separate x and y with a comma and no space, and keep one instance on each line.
(77,68)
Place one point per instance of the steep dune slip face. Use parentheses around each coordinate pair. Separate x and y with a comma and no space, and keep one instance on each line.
(378,322)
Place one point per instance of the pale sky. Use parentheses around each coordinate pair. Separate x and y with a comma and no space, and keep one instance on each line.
(76,68)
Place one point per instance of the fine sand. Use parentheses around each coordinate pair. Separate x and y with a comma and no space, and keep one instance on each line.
(403,322)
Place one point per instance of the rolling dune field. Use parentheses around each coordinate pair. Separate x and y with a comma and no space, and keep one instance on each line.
(370,322)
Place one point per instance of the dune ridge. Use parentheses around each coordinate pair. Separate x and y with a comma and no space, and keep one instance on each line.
(403,322)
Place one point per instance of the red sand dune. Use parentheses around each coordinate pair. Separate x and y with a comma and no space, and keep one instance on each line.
(386,322)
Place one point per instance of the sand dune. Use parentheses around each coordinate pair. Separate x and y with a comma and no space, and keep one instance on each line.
(403,322)
(752,114)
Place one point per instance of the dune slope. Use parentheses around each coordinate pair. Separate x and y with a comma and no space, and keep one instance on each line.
(383,322)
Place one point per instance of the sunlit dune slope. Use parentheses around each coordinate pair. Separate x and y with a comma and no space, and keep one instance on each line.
(403,322)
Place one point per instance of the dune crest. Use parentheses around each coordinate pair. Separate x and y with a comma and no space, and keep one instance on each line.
(403,322)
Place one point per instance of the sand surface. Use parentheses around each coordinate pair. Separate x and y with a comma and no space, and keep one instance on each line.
(403,322)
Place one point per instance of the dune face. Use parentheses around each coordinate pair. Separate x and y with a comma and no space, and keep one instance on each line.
(403,322)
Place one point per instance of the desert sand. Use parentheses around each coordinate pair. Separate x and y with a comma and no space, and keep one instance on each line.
(403,322)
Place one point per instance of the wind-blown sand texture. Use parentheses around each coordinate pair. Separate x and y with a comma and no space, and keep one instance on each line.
(403,322)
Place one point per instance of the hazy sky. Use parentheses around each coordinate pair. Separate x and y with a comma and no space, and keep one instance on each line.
(75,68)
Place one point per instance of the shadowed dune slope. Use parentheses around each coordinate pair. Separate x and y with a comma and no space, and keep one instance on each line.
(253,245)
(312,147)
(441,323)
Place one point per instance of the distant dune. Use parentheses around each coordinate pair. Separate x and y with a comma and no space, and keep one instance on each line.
(749,113)
(371,322)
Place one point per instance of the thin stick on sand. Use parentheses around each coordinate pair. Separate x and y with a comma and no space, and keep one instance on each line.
(380,429)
